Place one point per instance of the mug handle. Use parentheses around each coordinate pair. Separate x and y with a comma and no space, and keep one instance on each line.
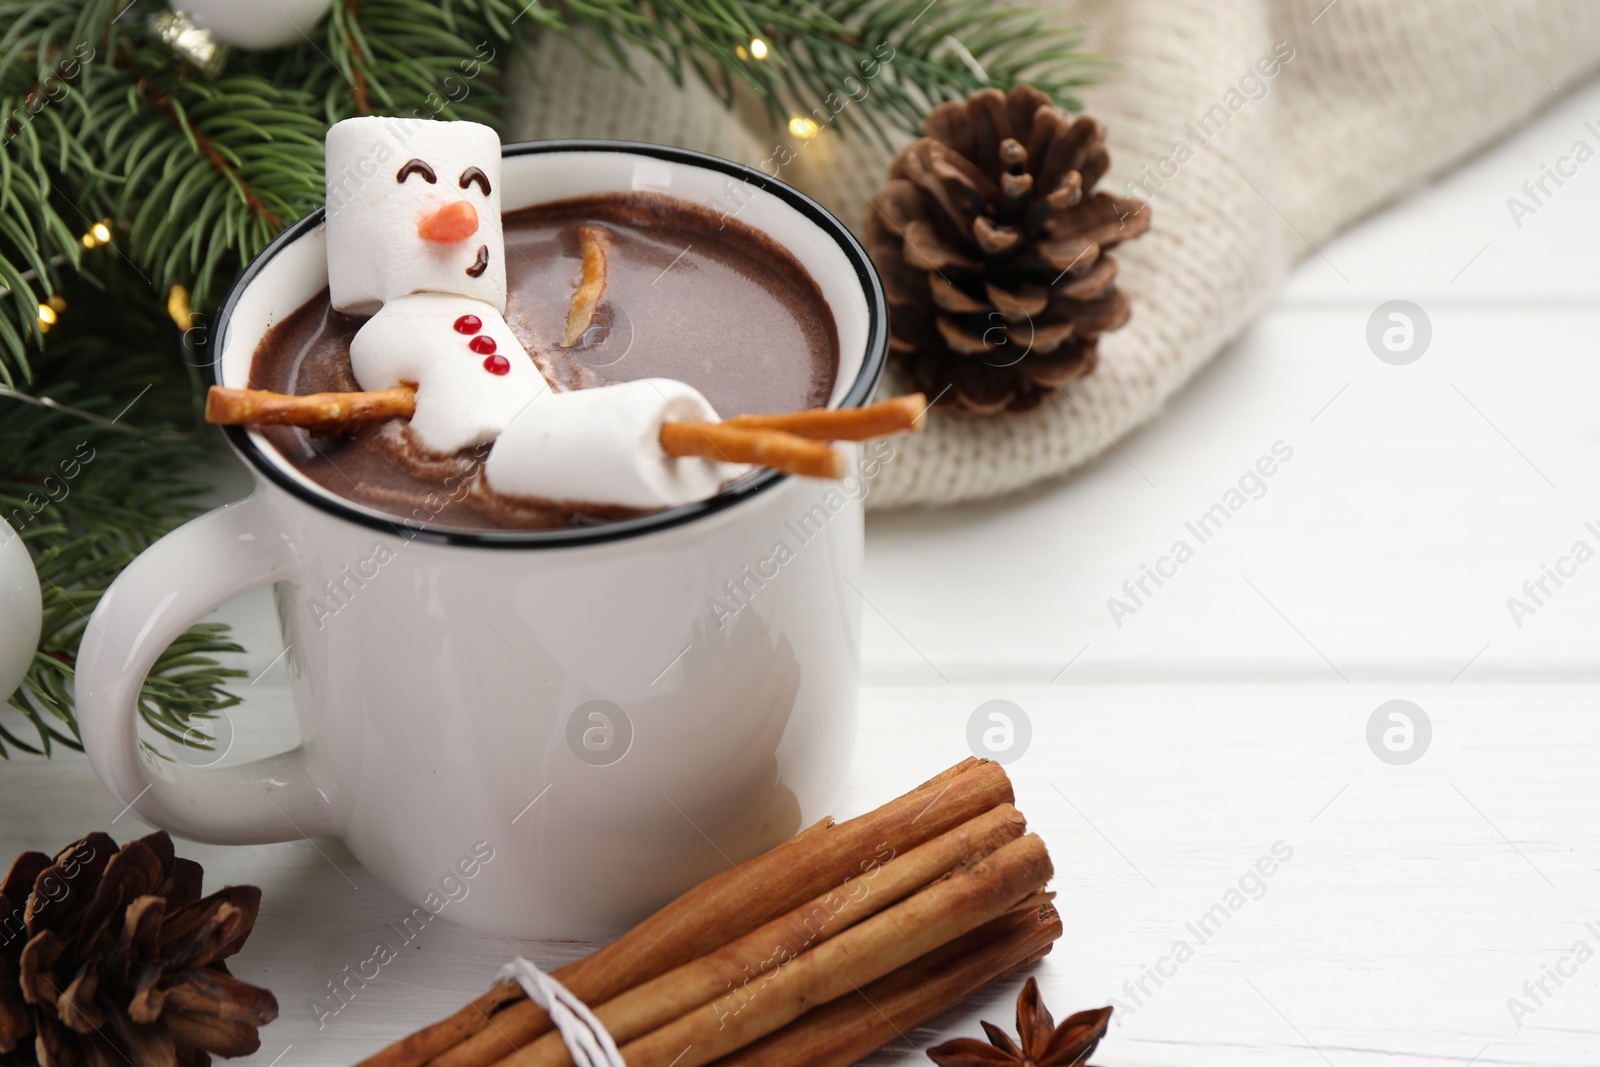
(170,586)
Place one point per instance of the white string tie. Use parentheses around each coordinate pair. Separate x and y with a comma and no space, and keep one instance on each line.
(586,1038)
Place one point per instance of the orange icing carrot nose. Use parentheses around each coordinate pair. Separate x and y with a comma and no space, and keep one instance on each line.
(456,221)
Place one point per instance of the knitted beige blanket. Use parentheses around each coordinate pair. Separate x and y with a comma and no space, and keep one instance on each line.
(1247,173)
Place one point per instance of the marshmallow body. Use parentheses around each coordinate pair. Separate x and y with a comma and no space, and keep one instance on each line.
(385,177)
(602,446)
(472,376)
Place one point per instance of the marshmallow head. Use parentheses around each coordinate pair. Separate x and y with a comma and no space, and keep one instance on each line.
(413,207)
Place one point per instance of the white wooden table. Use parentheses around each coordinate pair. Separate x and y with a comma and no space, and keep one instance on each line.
(1226,715)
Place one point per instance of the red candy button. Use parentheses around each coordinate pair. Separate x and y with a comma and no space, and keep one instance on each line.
(469,324)
(497,365)
(482,344)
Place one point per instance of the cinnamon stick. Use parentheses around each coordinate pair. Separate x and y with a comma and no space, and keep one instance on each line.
(817,827)
(661,1000)
(957,904)
(782,451)
(842,1031)
(420,1047)
(322,412)
(898,415)
(712,914)
(591,284)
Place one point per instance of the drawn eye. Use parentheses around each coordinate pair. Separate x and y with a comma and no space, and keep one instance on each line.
(473,174)
(416,166)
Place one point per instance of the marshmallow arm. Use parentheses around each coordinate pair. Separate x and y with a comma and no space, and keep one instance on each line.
(602,446)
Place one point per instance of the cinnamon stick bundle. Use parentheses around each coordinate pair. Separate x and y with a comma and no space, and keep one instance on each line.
(842,1031)
(752,957)
(718,911)
(956,905)
(948,896)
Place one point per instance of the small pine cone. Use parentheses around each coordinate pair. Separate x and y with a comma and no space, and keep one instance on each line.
(111,958)
(992,242)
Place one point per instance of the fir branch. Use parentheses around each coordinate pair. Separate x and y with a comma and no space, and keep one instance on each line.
(204,172)
(413,58)
(44,53)
(897,58)
(88,494)
(232,162)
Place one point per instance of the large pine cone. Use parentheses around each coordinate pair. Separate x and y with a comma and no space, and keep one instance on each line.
(991,242)
(111,958)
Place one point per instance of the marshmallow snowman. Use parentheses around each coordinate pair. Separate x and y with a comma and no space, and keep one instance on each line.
(414,239)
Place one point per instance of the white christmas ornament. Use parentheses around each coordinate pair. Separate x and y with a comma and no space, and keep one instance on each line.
(415,241)
(604,445)
(256,24)
(21,611)
(413,207)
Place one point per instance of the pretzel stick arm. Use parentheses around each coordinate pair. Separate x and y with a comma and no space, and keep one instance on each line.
(727,442)
(325,412)
(899,415)
(768,448)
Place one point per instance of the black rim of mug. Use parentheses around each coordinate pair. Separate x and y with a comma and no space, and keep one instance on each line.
(860,392)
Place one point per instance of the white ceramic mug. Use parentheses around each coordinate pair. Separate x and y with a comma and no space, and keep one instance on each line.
(610,713)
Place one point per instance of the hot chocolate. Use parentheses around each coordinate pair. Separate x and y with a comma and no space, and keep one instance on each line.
(688,296)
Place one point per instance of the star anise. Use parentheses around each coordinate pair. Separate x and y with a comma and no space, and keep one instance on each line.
(1044,1044)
